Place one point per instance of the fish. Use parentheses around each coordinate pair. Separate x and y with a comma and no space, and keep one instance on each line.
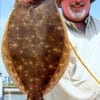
(35,47)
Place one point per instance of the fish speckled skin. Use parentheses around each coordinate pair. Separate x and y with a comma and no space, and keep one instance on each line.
(35,47)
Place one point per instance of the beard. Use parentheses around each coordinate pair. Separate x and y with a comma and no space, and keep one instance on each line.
(77,14)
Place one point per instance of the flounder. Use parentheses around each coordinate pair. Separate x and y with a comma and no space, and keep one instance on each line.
(35,47)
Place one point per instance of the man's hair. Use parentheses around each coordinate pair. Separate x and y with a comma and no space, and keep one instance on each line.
(58,2)
(92,1)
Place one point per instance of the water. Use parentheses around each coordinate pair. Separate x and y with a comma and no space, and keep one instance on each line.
(14,97)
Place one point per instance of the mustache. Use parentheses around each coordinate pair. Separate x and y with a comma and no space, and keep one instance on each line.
(78,4)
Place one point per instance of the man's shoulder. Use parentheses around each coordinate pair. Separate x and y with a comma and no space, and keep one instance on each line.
(96,20)
(96,23)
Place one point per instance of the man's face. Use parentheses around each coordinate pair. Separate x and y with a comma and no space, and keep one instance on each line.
(75,10)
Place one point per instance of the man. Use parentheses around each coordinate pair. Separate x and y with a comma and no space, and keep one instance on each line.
(76,83)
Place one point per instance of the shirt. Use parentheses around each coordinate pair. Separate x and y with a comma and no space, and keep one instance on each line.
(77,83)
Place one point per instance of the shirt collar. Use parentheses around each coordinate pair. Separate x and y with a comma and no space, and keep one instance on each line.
(72,25)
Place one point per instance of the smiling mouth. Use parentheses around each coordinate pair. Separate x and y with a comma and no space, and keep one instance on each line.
(77,5)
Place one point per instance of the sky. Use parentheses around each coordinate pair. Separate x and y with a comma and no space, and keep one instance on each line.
(6,7)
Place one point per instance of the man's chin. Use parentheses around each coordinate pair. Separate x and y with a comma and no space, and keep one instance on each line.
(78,17)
